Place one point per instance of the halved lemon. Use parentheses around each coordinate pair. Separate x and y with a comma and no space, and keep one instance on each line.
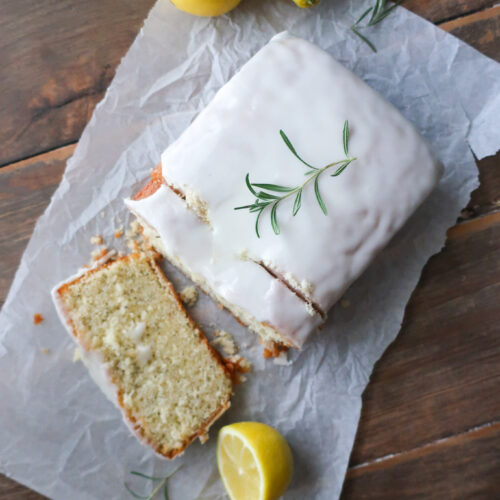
(206,8)
(254,460)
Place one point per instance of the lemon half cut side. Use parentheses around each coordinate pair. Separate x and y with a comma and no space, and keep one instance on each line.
(254,460)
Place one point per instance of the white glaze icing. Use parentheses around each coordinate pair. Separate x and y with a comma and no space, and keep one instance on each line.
(292,85)
(238,281)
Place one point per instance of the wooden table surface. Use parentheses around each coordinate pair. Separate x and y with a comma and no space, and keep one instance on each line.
(430,426)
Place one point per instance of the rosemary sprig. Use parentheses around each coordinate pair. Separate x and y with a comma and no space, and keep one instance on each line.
(163,484)
(264,192)
(378,13)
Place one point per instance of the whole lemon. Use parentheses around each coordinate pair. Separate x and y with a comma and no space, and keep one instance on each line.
(206,8)
(304,4)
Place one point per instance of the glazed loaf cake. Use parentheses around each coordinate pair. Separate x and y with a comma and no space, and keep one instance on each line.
(144,352)
(291,99)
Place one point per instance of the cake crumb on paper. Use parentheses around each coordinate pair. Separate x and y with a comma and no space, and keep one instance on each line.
(282,359)
(119,233)
(77,355)
(344,303)
(189,296)
(96,239)
(45,350)
(238,365)
(225,340)
(37,318)
(99,253)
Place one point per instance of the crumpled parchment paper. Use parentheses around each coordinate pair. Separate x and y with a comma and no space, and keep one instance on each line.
(58,433)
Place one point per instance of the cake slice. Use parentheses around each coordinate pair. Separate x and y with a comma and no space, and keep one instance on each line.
(291,112)
(145,353)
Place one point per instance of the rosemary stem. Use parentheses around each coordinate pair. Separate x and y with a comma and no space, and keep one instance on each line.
(316,174)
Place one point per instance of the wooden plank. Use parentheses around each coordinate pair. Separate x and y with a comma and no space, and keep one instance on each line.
(461,467)
(10,490)
(57,58)
(443,10)
(25,191)
(481,30)
(440,377)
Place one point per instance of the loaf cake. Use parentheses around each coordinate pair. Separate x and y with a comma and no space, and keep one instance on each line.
(145,353)
(290,111)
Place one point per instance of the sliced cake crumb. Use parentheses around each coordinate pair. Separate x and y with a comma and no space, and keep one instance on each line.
(169,383)
(189,296)
(37,318)
(225,341)
(96,239)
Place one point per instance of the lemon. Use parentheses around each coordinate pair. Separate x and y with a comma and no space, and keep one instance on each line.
(254,460)
(206,8)
(304,4)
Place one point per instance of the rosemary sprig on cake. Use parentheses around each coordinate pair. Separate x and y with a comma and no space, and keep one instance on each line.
(378,13)
(163,484)
(264,193)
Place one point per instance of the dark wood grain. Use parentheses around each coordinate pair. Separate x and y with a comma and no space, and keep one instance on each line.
(481,30)
(25,191)
(461,467)
(57,58)
(443,10)
(440,377)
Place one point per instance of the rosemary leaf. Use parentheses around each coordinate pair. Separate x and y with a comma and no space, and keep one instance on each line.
(341,169)
(267,196)
(249,185)
(140,474)
(274,219)
(297,202)
(378,13)
(292,149)
(345,137)
(257,223)
(318,196)
(244,207)
(370,44)
(134,494)
(274,187)
(365,13)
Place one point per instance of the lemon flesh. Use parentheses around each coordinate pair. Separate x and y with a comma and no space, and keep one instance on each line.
(206,8)
(254,460)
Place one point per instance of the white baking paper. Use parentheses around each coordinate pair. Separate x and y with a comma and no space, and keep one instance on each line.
(58,434)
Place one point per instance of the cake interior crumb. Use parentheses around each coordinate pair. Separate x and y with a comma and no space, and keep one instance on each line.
(169,379)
